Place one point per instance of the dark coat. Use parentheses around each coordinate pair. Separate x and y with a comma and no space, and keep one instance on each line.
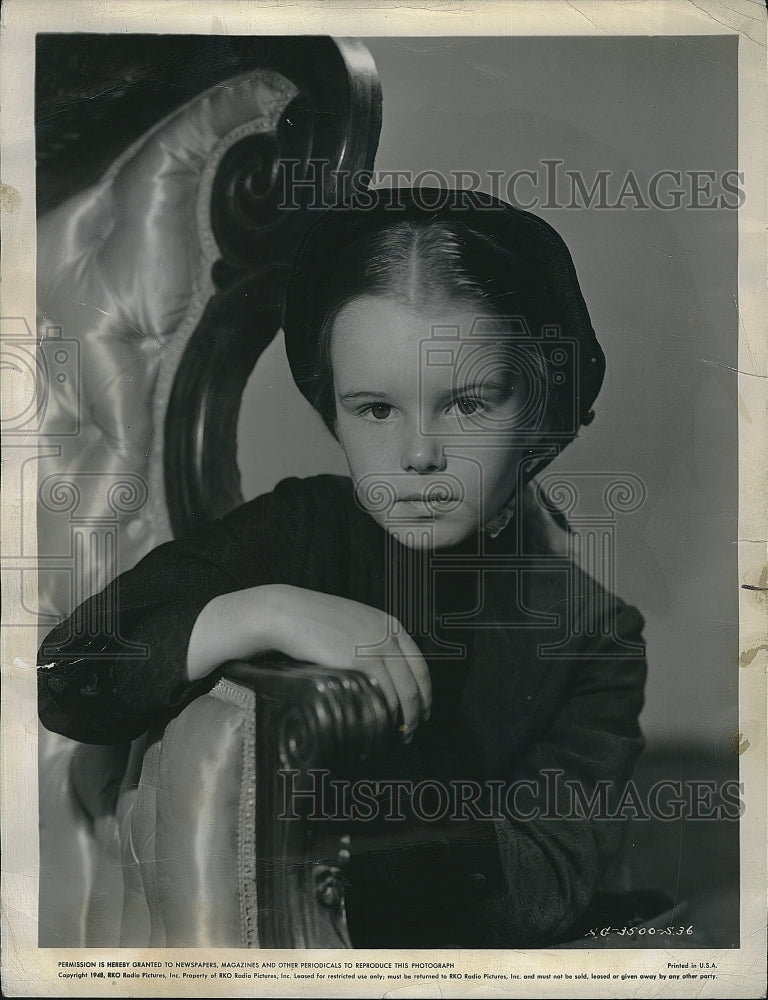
(549,690)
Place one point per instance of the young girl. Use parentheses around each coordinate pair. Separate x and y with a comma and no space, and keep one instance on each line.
(444,340)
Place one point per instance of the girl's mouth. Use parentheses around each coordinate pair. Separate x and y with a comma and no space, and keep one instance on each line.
(430,504)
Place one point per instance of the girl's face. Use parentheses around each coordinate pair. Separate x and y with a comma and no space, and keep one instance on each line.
(427,409)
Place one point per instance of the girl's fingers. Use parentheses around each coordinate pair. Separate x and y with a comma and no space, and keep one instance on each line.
(378,671)
(408,694)
(419,670)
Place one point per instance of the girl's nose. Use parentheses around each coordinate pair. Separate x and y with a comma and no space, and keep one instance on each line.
(423,453)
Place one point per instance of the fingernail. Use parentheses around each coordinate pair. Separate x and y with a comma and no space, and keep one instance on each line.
(408,738)
(427,714)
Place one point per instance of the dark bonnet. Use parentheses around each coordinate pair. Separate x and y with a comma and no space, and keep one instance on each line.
(526,235)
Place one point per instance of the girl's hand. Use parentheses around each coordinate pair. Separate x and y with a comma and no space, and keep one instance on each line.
(337,632)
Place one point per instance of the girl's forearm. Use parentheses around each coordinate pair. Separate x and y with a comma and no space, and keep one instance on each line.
(230,627)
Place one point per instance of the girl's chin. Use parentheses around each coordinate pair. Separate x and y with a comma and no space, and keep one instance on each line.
(437,534)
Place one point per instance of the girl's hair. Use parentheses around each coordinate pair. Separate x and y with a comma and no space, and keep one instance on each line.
(424,264)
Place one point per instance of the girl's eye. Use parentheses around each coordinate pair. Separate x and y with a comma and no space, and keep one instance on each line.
(467,405)
(379,411)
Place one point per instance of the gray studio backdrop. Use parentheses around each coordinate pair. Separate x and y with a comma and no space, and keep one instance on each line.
(661,285)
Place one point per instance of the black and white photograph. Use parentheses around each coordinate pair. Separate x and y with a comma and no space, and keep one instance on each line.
(384,509)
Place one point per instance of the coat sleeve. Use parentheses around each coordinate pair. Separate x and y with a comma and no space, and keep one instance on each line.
(565,826)
(118,661)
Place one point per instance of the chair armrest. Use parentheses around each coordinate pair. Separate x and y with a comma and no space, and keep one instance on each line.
(221,862)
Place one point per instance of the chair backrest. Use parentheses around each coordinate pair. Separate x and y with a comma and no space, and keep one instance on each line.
(160,285)
(160,282)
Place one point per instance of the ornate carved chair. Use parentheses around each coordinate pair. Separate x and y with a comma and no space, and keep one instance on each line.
(164,244)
